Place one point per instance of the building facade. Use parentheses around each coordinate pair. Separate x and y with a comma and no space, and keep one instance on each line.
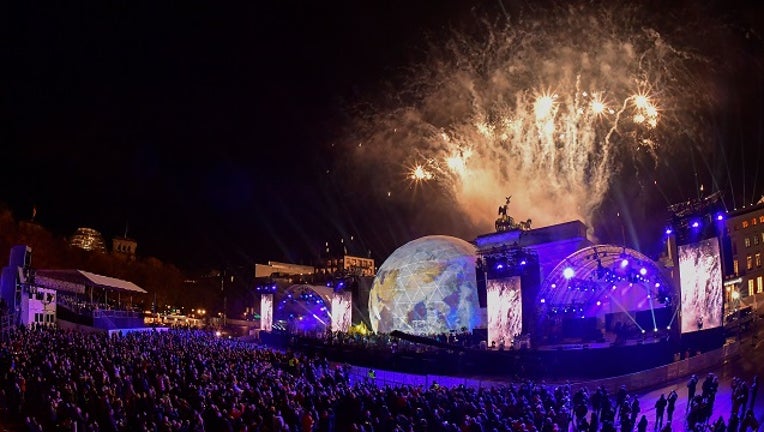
(350,265)
(124,247)
(745,231)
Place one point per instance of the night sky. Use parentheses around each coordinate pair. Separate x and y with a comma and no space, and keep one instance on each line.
(211,130)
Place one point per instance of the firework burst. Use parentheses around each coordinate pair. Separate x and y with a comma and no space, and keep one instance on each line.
(547,109)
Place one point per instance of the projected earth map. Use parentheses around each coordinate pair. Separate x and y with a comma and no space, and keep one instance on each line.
(426,287)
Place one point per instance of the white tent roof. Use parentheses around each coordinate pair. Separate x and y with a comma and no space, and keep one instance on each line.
(76,281)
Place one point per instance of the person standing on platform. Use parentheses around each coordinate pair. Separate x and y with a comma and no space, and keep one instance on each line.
(742,397)
(642,425)
(660,408)
(671,406)
(620,398)
(754,390)
(749,422)
(719,426)
(691,385)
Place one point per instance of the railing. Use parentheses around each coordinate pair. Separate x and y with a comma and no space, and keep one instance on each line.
(109,313)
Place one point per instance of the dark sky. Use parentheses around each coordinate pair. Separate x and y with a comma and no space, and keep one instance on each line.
(207,128)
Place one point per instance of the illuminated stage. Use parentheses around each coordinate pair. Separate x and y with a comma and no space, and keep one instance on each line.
(552,302)
(553,289)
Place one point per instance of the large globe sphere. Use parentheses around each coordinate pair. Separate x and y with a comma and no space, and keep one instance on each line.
(426,287)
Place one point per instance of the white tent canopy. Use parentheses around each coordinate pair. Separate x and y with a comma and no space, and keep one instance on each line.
(75,281)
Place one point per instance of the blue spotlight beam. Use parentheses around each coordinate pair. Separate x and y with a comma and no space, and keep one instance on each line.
(673,317)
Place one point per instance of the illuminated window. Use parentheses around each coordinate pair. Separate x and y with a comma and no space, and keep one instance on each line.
(759,284)
(736,266)
(761,219)
(748,262)
(745,224)
(758,259)
(750,287)
(747,242)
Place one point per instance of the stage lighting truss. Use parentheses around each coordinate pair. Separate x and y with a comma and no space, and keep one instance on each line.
(507,261)
(268,287)
(342,284)
(696,219)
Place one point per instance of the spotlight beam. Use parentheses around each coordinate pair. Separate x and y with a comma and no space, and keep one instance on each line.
(673,317)
(620,306)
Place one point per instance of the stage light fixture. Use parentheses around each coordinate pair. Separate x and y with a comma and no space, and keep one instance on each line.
(643,271)
(624,263)
(669,231)
(568,273)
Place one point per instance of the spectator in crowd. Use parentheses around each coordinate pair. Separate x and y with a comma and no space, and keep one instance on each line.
(660,408)
(671,404)
(192,381)
(642,425)
(754,390)
(691,386)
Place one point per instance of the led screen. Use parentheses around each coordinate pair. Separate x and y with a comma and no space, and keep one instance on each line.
(266,312)
(701,284)
(341,311)
(505,311)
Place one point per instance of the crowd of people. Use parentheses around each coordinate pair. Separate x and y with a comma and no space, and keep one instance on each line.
(190,380)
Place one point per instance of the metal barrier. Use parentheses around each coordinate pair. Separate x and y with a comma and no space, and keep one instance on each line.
(109,313)
(634,382)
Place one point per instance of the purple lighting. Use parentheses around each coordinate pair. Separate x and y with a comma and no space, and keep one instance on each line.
(499,266)
(624,263)
(695,224)
(669,231)
(720,217)
(643,271)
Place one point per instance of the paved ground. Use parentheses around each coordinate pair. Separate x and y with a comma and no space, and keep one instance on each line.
(750,363)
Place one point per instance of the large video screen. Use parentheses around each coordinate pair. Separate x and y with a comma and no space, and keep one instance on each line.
(266,312)
(504,309)
(341,311)
(700,272)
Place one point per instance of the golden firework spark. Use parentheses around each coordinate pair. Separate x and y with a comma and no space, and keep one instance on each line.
(419,173)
